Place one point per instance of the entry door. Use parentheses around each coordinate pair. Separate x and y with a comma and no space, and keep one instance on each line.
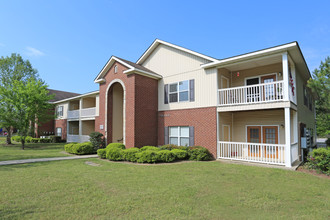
(254,136)
(252,93)
(226,133)
(224,82)
(270,136)
(269,90)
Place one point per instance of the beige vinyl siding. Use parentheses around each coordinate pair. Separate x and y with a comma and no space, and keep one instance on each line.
(65,110)
(247,73)
(175,65)
(305,115)
(225,118)
(243,119)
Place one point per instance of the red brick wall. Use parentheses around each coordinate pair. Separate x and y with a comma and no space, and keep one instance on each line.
(204,121)
(61,123)
(141,94)
(47,127)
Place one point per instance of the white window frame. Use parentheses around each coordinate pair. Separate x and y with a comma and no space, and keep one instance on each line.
(179,134)
(178,91)
(57,132)
(259,77)
(58,111)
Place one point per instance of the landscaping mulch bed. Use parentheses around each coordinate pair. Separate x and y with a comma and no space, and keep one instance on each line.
(312,172)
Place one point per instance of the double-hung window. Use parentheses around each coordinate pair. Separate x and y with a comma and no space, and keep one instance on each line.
(59,111)
(179,92)
(179,135)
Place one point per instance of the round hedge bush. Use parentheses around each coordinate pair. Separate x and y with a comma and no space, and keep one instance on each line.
(147,156)
(130,154)
(102,153)
(180,154)
(116,145)
(153,148)
(199,153)
(165,156)
(114,153)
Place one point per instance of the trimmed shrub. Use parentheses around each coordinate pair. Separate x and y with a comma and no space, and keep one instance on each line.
(114,153)
(165,156)
(35,140)
(180,154)
(147,156)
(45,140)
(116,145)
(84,148)
(130,154)
(153,148)
(319,159)
(55,139)
(102,153)
(69,148)
(199,153)
(172,146)
(28,139)
(97,140)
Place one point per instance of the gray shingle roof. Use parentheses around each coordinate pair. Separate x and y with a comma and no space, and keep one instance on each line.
(59,95)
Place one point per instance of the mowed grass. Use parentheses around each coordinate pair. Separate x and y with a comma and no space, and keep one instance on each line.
(38,150)
(192,190)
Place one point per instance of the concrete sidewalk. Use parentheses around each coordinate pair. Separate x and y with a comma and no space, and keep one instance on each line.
(12,162)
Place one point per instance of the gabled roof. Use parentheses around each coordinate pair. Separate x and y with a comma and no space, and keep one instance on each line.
(77,97)
(157,42)
(59,95)
(132,68)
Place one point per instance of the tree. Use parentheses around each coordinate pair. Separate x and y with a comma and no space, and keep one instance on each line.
(24,97)
(320,85)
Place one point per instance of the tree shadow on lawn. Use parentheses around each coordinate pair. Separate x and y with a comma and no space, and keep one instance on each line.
(13,167)
(40,146)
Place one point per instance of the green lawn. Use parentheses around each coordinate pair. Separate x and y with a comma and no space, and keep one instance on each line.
(193,190)
(40,150)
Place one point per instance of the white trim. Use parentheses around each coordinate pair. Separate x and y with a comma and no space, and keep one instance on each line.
(76,97)
(143,73)
(224,125)
(259,77)
(124,108)
(130,69)
(157,42)
(262,137)
(179,134)
(250,55)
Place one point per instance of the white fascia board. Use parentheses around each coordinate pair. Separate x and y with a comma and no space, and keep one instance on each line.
(141,72)
(107,66)
(157,42)
(249,55)
(76,97)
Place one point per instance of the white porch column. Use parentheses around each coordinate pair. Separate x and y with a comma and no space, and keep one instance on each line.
(80,124)
(287,137)
(285,67)
(295,126)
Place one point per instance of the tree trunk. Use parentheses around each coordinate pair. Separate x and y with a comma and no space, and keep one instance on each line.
(23,143)
(9,131)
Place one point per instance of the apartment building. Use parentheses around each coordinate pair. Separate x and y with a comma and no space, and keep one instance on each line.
(251,107)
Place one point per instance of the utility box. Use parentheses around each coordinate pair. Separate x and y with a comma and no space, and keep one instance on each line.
(303,142)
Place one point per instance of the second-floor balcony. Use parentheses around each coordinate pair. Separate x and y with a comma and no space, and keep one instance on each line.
(88,112)
(258,93)
(73,114)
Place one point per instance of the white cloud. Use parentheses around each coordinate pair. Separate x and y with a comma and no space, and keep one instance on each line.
(33,52)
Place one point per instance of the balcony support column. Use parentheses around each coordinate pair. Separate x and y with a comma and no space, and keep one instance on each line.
(285,68)
(287,137)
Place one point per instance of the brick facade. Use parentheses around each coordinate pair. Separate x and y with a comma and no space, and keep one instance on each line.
(61,123)
(141,104)
(204,121)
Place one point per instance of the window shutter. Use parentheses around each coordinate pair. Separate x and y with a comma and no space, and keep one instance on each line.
(166,94)
(166,129)
(192,89)
(191,136)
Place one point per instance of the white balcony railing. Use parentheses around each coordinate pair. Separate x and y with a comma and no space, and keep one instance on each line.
(266,92)
(88,112)
(262,153)
(73,114)
(77,138)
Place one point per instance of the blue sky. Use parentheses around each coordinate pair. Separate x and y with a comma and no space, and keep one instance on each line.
(70,41)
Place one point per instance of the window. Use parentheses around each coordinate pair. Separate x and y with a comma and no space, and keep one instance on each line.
(59,111)
(116,69)
(179,92)
(179,135)
(59,132)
